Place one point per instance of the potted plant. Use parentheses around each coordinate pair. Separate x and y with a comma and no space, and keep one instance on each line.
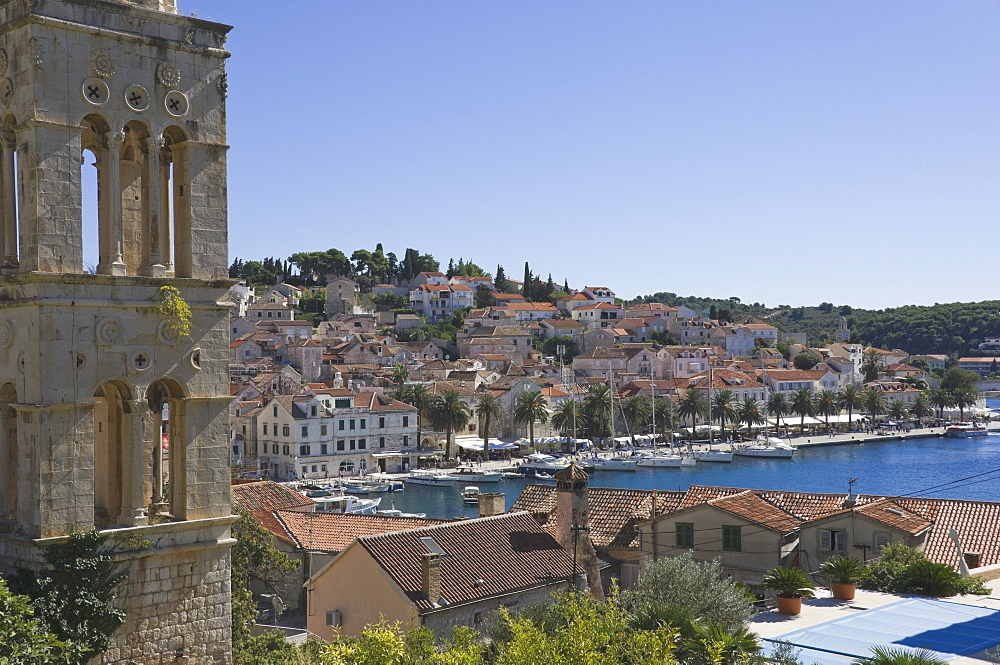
(790,585)
(843,573)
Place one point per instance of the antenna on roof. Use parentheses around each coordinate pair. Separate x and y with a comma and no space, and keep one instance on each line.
(851,499)
(850,485)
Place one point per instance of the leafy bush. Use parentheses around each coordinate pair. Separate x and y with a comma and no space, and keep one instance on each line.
(24,639)
(698,587)
(902,569)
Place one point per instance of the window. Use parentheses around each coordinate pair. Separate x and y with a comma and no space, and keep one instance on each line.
(285,451)
(732,540)
(274,449)
(881,540)
(342,403)
(305,469)
(244,430)
(362,444)
(685,534)
(381,442)
(832,541)
(324,449)
(340,425)
(340,444)
(303,450)
(406,440)
(406,421)
(362,423)
(305,431)
(286,430)
(352,423)
(381,421)
(354,443)
(322,430)
(312,410)
(275,412)
(323,467)
(265,429)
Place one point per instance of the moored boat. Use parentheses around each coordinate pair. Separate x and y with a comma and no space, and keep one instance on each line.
(470,495)
(965,430)
(769,447)
(665,460)
(421,477)
(470,474)
(614,463)
(712,456)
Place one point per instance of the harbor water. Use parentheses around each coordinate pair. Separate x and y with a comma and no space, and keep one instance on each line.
(918,467)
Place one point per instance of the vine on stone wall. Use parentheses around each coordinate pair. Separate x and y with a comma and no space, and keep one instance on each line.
(172,305)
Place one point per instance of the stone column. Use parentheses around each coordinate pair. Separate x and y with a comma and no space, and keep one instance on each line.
(110,187)
(8,209)
(151,208)
(133,511)
(165,240)
(181,154)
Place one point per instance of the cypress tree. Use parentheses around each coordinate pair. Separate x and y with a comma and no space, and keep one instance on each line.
(526,288)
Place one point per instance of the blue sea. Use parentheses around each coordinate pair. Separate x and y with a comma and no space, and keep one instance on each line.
(920,467)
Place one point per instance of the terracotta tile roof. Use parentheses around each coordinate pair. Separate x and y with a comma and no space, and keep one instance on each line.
(614,513)
(796,374)
(261,499)
(753,508)
(484,557)
(576,296)
(333,532)
(597,305)
(378,402)
(977,524)
(531,306)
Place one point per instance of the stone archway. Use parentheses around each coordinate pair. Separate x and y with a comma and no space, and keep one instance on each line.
(116,453)
(167,446)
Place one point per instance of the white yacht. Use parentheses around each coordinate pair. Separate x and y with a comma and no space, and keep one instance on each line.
(668,460)
(473,475)
(425,477)
(614,463)
(766,447)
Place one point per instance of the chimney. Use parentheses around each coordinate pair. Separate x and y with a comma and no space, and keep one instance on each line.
(492,503)
(972,559)
(430,577)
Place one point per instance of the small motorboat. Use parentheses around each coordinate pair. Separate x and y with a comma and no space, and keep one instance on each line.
(470,495)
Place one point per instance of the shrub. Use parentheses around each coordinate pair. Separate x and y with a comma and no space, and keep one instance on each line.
(789,582)
(902,569)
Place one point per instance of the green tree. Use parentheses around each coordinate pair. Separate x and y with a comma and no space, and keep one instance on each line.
(75,595)
(921,408)
(849,398)
(700,588)
(389,644)
(500,281)
(693,406)
(802,404)
(526,287)
(777,406)
(488,411)
(400,374)
(565,416)
(419,397)
(825,404)
(597,405)
(449,413)
(25,639)
(484,296)
(940,399)
(806,360)
(666,416)
(530,409)
(871,365)
(748,413)
(898,410)
(874,403)
(883,655)
(724,408)
(964,397)
(255,559)
(636,412)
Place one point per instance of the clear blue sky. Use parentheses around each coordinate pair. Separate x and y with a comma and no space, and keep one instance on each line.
(785,152)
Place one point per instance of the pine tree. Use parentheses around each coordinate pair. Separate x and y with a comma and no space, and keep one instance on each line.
(500,283)
(451,269)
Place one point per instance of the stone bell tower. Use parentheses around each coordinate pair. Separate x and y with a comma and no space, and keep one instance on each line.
(110,416)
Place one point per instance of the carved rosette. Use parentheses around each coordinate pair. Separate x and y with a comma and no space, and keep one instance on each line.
(109,331)
(168,74)
(165,333)
(6,334)
(102,64)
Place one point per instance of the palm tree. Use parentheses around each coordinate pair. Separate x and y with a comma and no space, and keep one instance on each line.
(749,413)
(449,413)
(898,410)
(850,399)
(871,365)
(400,374)
(825,404)
(802,404)
(940,399)
(965,397)
(724,408)
(530,408)
(666,415)
(597,406)
(921,408)
(882,655)
(692,406)
(487,409)
(874,402)
(777,406)
(636,412)
(419,397)
(564,416)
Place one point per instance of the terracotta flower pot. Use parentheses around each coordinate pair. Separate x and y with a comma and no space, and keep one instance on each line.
(789,606)
(843,591)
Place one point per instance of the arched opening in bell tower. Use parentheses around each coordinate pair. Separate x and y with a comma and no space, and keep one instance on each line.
(175,192)
(168,450)
(134,184)
(112,406)
(9,208)
(9,453)
(97,236)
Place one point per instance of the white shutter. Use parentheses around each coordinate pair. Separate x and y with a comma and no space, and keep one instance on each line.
(825,538)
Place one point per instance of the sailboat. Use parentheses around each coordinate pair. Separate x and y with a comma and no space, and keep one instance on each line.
(711,455)
(613,463)
(658,459)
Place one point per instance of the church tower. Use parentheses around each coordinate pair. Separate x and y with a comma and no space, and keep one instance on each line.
(113,410)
